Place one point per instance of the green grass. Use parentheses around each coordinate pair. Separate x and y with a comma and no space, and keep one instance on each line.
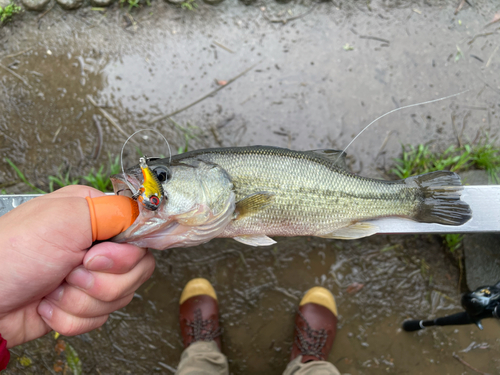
(7,12)
(133,3)
(189,5)
(23,178)
(188,132)
(73,360)
(459,54)
(453,241)
(98,179)
(420,159)
(62,180)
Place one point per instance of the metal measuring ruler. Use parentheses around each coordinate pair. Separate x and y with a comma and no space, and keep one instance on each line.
(484,201)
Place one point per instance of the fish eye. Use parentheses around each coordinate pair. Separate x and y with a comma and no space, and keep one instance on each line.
(162,173)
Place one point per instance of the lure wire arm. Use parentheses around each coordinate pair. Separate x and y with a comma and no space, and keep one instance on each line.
(136,193)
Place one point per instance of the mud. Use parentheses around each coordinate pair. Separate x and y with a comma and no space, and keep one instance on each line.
(309,90)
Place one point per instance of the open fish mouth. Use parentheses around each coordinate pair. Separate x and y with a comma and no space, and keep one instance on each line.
(149,226)
(120,186)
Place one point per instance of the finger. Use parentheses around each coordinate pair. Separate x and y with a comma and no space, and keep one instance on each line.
(67,324)
(108,286)
(76,191)
(113,257)
(22,329)
(76,302)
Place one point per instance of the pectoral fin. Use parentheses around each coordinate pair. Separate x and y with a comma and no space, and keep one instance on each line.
(253,203)
(255,240)
(353,231)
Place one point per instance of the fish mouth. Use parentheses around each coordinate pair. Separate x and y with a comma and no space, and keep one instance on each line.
(145,227)
(122,183)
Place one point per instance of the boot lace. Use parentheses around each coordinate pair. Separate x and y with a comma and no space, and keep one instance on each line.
(310,341)
(203,330)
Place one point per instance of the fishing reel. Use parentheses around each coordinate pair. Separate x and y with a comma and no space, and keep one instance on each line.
(482,303)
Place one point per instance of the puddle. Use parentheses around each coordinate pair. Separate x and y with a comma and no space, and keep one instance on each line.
(259,289)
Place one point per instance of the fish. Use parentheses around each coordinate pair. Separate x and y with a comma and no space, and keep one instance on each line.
(254,193)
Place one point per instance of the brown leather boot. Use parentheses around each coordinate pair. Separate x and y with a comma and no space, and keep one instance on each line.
(199,313)
(315,326)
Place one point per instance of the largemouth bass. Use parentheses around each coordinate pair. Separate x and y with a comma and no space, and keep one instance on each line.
(252,193)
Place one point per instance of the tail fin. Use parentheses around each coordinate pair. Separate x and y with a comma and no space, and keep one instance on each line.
(441,198)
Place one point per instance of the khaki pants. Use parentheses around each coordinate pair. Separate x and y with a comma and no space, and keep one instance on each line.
(204,358)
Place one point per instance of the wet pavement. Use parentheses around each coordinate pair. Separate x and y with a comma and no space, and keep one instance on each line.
(318,81)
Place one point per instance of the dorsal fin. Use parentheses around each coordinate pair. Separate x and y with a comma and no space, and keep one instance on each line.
(333,156)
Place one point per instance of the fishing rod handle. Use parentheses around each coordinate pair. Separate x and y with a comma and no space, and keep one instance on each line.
(460,318)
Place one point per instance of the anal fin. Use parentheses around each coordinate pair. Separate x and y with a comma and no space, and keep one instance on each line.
(353,231)
(255,240)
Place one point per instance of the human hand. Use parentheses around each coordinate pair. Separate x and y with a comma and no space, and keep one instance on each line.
(48,279)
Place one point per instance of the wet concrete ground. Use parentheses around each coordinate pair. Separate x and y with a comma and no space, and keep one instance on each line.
(309,90)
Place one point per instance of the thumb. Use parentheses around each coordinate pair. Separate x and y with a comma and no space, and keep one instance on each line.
(110,215)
